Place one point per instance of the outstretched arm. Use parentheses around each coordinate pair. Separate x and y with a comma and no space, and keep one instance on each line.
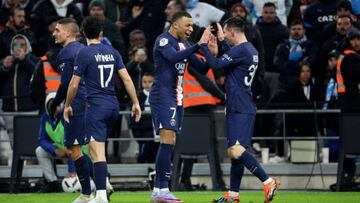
(173,55)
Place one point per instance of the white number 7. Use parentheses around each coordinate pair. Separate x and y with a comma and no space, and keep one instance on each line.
(174,113)
(101,68)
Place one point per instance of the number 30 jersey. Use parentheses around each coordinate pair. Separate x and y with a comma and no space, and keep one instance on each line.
(240,64)
(97,64)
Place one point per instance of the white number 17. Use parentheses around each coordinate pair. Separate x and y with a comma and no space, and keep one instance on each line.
(101,68)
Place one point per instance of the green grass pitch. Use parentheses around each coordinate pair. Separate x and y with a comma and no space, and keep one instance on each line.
(193,197)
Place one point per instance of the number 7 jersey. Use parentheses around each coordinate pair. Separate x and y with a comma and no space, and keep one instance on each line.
(97,64)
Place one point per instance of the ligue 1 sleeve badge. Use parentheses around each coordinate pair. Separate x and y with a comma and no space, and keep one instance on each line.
(163,42)
(172,122)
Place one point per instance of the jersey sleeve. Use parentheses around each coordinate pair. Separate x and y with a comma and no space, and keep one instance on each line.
(66,65)
(80,63)
(171,54)
(225,61)
(118,59)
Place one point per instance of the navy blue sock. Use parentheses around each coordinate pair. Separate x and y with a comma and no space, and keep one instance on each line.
(236,173)
(83,172)
(163,165)
(100,173)
(253,166)
(91,166)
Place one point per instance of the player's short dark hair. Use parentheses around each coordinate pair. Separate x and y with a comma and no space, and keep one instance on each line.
(149,74)
(236,23)
(269,4)
(179,15)
(296,22)
(71,22)
(92,26)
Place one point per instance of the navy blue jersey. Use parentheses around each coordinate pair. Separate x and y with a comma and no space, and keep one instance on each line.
(170,60)
(98,63)
(66,60)
(240,64)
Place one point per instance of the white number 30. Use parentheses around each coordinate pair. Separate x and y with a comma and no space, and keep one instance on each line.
(248,79)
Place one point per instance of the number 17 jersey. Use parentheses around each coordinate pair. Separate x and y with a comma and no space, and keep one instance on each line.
(97,64)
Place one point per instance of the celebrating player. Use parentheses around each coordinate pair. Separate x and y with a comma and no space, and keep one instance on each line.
(240,64)
(171,54)
(97,63)
(65,34)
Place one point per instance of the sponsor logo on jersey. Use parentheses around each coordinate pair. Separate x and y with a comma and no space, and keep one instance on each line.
(227,57)
(163,42)
(255,59)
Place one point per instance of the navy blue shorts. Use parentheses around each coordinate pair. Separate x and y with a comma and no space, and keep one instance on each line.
(167,117)
(99,122)
(74,131)
(240,128)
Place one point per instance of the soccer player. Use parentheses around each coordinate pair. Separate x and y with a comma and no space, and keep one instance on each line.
(239,63)
(97,63)
(171,54)
(65,34)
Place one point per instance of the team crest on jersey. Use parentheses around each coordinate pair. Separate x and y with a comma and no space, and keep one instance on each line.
(163,42)
(172,122)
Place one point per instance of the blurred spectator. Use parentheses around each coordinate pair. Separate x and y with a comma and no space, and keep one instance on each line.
(291,52)
(144,128)
(138,66)
(203,14)
(317,15)
(51,145)
(305,93)
(117,11)
(253,35)
(173,7)
(46,77)
(297,10)
(343,25)
(272,33)
(27,5)
(256,6)
(15,25)
(148,16)
(111,31)
(344,9)
(15,73)
(5,11)
(44,13)
(137,39)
